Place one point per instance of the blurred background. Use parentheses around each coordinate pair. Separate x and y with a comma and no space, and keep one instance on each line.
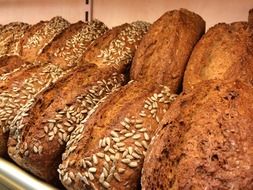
(115,12)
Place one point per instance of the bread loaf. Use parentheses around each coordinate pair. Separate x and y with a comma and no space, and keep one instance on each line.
(31,45)
(59,58)
(175,48)
(37,37)
(224,52)
(10,34)
(57,112)
(107,151)
(205,140)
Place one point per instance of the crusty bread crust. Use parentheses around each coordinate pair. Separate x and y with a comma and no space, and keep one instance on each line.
(162,60)
(107,152)
(10,35)
(51,119)
(57,59)
(37,37)
(204,141)
(224,52)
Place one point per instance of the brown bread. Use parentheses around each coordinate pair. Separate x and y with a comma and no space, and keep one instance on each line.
(107,151)
(176,46)
(204,141)
(10,34)
(224,52)
(37,37)
(50,120)
(59,58)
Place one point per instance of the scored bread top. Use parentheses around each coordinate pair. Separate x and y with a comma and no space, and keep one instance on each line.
(21,87)
(224,52)
(88,83)
(10,34)
(205,140)
(39,36)
(180,31)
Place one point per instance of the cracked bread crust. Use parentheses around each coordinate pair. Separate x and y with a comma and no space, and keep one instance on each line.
(225,52)
(204,140)
(180,31)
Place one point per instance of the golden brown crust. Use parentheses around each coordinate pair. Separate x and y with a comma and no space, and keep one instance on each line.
(110,146)
(59,58)
(108,150)
(41,141)
(205,140)
(180,31)
(224,52)
(49,122)
(115,48)
(37,37)
(10,64)
(10,35)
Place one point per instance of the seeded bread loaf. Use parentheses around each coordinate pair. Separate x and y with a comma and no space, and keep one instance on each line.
(205,140)
(178,41)
(224,52)
(37,37)
(59,58)
(57,112)
(10,34)
(31,44)
(107,151)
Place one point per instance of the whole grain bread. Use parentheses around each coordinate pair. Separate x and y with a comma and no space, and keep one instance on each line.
(37,37)
(10,34)
(204,140)
(176,46)
(49,122)
(224,52)
(20,88)
(34,40)
(107,151)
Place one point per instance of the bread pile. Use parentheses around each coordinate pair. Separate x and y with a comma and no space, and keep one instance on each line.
(99,108)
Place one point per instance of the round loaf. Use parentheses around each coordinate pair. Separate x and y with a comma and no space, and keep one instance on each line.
(205,141)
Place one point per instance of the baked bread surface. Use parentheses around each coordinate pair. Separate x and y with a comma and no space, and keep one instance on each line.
(204,140)
(225,52)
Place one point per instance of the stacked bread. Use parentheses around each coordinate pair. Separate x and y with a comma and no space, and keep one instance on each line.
(205,140)
(106,108)
(49,120)
(107,151)
(23,83)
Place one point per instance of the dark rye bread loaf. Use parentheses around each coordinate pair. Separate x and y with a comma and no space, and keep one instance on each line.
(37,37)
(10,34)
(107,151)
(38,145)
(170,51)
(224,52)
(59,58)
(204,141)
